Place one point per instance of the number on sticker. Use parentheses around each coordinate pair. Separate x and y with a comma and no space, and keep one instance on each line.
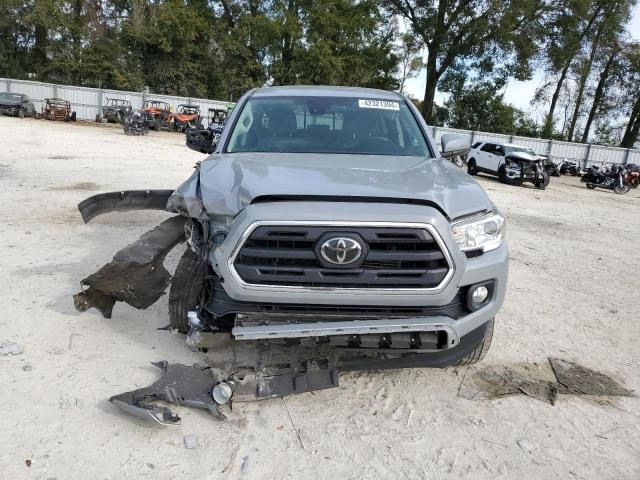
(380,104)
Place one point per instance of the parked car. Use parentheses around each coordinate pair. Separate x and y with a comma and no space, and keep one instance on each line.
(57,109)
(116,110)
(325,216)
(187,116)
(510,163)
(16,105)
(159,114)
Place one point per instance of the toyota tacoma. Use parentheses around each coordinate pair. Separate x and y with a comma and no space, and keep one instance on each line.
(324,216)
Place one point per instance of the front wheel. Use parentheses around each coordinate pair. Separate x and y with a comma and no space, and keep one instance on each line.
(543,182)
(472,169)
(502,174)
(186,288)
(478,353)
(590,186)
(621,190)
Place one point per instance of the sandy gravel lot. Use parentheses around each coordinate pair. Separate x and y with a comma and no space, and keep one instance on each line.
(573,293)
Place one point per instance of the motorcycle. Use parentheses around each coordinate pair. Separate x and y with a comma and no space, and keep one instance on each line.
(611,180)
(136,123)
(633,175)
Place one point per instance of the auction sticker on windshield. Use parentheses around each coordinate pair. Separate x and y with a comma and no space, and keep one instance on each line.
(380,104)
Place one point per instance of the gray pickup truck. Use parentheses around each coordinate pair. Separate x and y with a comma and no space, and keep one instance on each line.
(326,215)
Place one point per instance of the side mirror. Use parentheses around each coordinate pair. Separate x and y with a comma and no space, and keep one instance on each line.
(202,141)
(452,142)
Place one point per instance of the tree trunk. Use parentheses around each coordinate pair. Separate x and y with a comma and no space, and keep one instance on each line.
(584,75)
(597,96)
(430,87)
(547,130)
(633,127)
(287,45)
(40,48)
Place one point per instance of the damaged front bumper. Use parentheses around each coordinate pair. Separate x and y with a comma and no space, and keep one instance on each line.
(122,202)
(209,388)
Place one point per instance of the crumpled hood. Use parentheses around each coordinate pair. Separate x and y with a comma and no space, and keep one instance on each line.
(224,184)
(527,157)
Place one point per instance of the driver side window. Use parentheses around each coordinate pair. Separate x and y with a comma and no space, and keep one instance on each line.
(488,147)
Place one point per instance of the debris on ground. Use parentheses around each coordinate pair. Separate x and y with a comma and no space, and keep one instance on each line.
(136,274)
(496,381)
(10,348)
(190,442)
(526,445)
(575,379)
(210,388)
(569,378)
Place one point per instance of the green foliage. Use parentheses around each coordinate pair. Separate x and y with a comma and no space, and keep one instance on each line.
(479,105)
(222,48)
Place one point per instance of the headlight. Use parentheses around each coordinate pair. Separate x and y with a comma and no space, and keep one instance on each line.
(485,233)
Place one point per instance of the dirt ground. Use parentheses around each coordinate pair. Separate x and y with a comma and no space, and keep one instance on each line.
(573,294)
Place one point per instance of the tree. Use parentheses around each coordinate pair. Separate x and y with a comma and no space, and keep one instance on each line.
(631,85)
(471,29)
(479,105)
(409,53)
(571,23)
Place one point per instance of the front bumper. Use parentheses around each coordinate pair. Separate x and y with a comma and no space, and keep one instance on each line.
(10,110)
(464,272)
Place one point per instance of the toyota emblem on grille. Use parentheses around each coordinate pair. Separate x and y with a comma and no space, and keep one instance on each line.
(341,250)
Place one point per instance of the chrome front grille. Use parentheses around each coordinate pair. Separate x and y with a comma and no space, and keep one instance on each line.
(394,257)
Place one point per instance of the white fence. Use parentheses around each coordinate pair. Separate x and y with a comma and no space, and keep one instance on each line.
(588,154)
(87,104)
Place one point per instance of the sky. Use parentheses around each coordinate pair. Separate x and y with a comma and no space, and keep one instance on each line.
(517,93)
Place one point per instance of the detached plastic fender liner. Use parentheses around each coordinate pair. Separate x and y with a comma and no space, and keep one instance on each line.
(123,201)
(136,274)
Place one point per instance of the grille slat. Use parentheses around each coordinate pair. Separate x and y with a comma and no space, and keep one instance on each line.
(395,258)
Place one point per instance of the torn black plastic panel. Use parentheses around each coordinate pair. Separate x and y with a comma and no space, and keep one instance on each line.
(136,274)
(194,386)
(122,202)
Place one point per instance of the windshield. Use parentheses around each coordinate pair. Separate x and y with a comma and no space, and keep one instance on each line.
(10,96)
(327,125)
(519,150)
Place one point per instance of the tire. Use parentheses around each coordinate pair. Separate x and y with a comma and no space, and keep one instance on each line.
(20,113)
(156,125)
(73,116)
(621,190)
(502,174)
(186,286)
(478,353)
(471,167)
(544,183)
(590,186)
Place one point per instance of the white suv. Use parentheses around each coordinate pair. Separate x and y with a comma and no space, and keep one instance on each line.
(510,163)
